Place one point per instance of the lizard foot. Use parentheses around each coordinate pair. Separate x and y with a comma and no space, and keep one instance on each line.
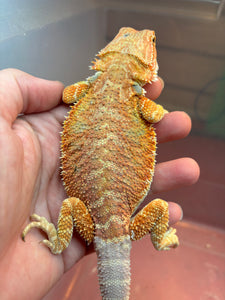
(169,240)
(49,229)
(154,218)
(73,213)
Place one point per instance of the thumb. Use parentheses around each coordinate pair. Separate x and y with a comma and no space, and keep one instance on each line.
(21,93)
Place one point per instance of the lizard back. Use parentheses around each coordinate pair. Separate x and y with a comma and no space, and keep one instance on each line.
(108,151)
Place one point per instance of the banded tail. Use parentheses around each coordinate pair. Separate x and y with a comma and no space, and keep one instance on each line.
(114,267)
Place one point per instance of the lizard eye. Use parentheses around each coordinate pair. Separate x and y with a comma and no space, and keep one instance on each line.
(126,34)
(154,39)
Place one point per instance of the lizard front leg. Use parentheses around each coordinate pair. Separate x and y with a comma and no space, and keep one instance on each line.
(73,213)
(151,111)
(154,218)
(74,92)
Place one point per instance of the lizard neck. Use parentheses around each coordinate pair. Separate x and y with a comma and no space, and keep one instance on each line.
(115,83)
(124,63)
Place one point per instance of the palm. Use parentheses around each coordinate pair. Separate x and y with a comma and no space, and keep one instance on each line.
(30,180)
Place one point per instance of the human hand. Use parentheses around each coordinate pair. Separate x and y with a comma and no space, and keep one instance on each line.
(30,179)
(175,173)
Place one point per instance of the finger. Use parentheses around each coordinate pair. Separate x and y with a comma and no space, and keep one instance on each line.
(175,213)
(173,126)
(24,93)
(175,173)
(154,89)
(60,112)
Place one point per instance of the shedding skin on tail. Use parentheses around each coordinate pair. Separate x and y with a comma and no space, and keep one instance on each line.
(108,160)
(114,267)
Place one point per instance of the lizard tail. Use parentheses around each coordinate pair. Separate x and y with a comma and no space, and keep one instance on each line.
(114,267)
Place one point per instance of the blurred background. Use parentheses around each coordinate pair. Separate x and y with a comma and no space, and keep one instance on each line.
(57,40)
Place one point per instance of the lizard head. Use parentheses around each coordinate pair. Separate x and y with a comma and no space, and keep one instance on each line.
(140,45)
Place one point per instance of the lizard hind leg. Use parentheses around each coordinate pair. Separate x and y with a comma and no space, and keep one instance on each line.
(154,218)
(73,213)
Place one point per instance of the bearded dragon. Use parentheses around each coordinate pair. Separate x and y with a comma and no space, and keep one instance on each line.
(108,157)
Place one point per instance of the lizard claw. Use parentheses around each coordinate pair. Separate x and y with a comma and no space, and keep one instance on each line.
(170,240)
(48,228)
